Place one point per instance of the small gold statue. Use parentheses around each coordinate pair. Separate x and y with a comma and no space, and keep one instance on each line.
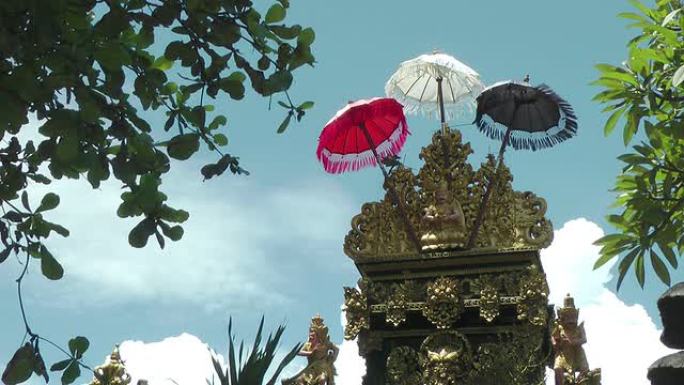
(113,372)
(570,364)
(321,355)
(444,222)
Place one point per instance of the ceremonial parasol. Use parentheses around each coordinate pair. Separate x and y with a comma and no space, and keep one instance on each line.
(435,82)
(525,117)
(362,134)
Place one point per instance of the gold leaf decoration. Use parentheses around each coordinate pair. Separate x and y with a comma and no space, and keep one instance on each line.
(356,312)
(443,305)
(403,367)
(445,358)
(533,297)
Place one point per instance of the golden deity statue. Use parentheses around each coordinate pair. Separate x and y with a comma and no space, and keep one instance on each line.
(570,364)
(113,372)
(321,355)
(443,221)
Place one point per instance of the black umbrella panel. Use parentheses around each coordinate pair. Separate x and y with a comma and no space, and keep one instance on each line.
(525,117)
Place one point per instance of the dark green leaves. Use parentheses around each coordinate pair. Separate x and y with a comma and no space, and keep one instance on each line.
(49,266)
(20,366)
(275,14)
(78,346)
(71,367)
(182,147)
(49,202)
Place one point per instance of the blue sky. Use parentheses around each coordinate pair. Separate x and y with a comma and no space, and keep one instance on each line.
(271,243)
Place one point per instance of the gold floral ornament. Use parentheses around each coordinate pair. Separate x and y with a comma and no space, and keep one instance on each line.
(113,372)
(397,305)
(443,306)
(533,297)
(356,312)
(403,367)
(512,219)
(445,358)
(489,299)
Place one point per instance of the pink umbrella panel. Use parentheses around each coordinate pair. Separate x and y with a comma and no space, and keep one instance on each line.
(343,145)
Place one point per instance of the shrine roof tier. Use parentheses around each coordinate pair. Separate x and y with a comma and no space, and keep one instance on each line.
(441,205)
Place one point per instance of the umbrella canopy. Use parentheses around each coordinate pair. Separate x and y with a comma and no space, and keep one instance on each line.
(415,85)
(535,116)
(359,131)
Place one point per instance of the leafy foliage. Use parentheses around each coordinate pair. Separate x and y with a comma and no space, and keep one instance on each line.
(91,73)
(253,370)
(646,94)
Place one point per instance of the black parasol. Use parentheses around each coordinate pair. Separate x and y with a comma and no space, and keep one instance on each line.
(524,116)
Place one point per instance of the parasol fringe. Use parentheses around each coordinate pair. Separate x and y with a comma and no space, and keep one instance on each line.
(566,129)
(339,163)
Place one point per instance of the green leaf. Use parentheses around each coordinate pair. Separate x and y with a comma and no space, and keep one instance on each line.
(78,346)
(285,123)
(141,233)
(306,105)
(612,121)
(4,254)
(72,372)
(61,365)
(50,268)
(220,139)
(25,201)
(625,264)
(678,76)
(306,37)
(670,16)
(639,270)
(660,268)
(603,259)
(162,63)
(669,254)
(49,202)
(20,366)
(182,147)
(275,14)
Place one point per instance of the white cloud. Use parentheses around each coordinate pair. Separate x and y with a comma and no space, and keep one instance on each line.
(621,339)
(350,366)
(181,360)
(235,242)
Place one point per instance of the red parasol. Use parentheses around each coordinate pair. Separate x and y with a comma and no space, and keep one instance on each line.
(344,144)
(362,134)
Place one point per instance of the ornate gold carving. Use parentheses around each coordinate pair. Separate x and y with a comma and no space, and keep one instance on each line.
(113,372)
(443,222)
(512,220)
(403,367)
(533,294)
(321,354)
(443,305)
(532,228)
(516,358)
(445,358)
(489,299)
(397,305)
(356,312)
(570,363)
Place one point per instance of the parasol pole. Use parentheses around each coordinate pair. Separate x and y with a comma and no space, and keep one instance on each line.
(440,100)
(393,193)
(490,187)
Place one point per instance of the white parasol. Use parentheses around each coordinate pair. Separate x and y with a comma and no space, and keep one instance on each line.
(435,83)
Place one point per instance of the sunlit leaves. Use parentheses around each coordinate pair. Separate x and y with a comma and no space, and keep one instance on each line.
(645,94)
